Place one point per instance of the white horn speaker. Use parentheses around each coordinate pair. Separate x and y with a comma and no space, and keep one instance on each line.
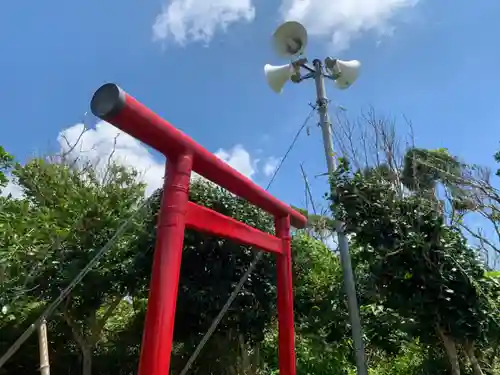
(346,71)
(277,76)
(290,39)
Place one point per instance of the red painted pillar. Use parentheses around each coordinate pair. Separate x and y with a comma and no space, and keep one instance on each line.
(160,317)
(286,331)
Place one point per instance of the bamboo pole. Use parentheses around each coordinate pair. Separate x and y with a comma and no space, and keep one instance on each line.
(43,345)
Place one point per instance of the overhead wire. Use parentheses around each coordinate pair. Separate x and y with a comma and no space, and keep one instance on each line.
(253,264)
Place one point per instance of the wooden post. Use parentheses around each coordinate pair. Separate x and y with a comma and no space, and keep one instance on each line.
(43,345)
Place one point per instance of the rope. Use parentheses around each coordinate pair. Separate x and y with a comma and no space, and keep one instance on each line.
(250,269)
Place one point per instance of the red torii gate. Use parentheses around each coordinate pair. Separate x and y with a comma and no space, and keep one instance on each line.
(184,155)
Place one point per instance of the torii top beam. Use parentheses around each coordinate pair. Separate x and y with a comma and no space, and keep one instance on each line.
(112,104)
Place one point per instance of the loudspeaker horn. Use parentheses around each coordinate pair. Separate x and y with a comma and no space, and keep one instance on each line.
(277,76)
(346,72)
(290,39)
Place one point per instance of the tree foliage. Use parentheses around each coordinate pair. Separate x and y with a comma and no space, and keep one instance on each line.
(418,266)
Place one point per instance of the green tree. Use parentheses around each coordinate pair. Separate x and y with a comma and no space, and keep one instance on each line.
(6,161)
(75,212)
(418,266)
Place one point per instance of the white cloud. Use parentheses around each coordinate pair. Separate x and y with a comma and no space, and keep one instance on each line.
(106,142)
(239,159)
(198,20)
(270,166)
(344,20)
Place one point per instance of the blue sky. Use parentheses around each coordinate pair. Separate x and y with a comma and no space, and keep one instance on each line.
(199,63)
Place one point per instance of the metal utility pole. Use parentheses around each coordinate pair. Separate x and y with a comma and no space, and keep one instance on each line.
(43,345)
(290,40)
(345,257)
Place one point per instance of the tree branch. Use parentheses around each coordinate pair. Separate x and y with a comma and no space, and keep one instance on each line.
(77,335)
(99,324)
